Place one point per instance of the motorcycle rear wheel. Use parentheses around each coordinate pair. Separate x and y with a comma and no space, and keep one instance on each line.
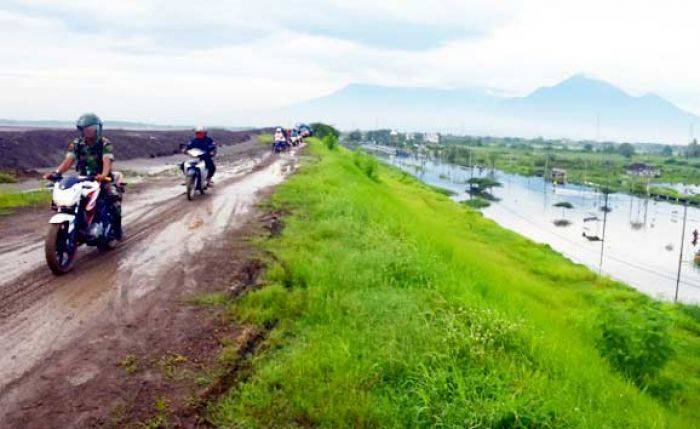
(59,260)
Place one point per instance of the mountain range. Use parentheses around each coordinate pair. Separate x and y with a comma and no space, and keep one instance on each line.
(579,107)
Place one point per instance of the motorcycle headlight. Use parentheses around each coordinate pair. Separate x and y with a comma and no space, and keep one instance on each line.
(66,197)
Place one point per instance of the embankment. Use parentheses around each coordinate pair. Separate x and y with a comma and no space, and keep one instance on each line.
(389,305)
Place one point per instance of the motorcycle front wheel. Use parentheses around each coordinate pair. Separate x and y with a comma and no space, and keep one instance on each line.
(190,187)
(60,248)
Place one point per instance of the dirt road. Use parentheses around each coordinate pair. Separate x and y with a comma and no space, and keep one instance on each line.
(60,336)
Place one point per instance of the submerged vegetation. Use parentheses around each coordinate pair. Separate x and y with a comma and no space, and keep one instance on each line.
(563,205)
(389,305)
(481,187)
(638,169)
(476,203)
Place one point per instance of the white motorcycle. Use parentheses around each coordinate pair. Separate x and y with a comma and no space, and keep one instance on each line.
(83,218)
(196,173)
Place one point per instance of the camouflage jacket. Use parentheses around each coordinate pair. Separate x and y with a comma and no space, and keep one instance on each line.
(88,159)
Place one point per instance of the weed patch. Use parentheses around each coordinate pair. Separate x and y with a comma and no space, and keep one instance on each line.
(636,340)
(130,364)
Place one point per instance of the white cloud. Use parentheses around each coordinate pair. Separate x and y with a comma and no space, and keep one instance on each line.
(169,61)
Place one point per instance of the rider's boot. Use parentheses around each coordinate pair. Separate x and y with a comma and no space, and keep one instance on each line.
(117,211)
(114,192)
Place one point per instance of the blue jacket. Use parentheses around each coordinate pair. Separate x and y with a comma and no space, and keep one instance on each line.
(207,145)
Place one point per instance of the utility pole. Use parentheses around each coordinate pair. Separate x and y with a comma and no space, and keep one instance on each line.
(646,203)
(680,253)
(471,166)
(602,240)
(692,132)
(471,174)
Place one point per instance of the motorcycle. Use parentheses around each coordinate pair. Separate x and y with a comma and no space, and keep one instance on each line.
(196,173)
(296,138)
(83,218)
(280,146)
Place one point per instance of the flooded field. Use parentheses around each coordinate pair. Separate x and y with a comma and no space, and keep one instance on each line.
(643,237)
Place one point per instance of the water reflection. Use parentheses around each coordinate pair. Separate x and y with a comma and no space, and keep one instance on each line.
(642,236)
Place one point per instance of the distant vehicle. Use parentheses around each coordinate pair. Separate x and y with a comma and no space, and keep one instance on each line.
(196,173)
(280,141)
(295,137)
(84,217)
(305,130)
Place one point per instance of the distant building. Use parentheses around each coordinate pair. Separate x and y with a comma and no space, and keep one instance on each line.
(431,138)
(642,170)
(394,136)
(558,175)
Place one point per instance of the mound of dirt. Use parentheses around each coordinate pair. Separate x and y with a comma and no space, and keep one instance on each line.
(23,150)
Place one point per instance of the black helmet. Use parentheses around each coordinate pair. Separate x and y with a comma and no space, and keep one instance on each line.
(88,119)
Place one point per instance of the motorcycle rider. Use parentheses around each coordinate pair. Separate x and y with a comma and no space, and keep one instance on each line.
(280,138)
(207,145)
(93,156)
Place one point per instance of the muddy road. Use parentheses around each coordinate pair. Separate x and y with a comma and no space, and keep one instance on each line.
(51,327)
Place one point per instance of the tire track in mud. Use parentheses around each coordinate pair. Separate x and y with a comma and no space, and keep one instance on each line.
(16,295)
(40,314)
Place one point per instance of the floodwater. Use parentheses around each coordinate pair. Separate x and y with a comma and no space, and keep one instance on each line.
(642,237)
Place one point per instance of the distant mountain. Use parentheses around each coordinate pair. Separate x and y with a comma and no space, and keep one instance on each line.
(579,107)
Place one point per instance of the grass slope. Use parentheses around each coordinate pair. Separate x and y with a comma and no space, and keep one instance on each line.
(392,306)
(10,199)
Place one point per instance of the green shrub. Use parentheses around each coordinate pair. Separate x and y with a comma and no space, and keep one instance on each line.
(636,340)
(330,141)
(691,310)
(322,130)
(368,164)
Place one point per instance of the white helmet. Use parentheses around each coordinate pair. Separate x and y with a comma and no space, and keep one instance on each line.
(200,129)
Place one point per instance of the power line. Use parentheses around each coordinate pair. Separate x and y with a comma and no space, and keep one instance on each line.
(614,258)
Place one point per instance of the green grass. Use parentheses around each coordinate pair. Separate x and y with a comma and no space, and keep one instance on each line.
(443,191)
(7,178)
(393,306)
(13,200)
(265,139)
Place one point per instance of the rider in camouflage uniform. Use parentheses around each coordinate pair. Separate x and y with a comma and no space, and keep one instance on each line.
(93,156)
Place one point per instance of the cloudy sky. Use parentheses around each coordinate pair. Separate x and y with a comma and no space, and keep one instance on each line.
(184,62)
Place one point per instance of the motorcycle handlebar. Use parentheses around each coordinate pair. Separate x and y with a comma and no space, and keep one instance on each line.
(56,177)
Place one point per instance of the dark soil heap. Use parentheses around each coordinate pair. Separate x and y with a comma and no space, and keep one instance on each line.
(36,148)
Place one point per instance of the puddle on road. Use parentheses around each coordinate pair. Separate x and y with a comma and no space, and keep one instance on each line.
(107,291)
(140,272)
(27,252)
